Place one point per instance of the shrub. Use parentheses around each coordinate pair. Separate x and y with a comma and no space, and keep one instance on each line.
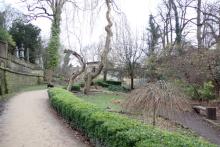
(192,91)
(111,129)
(196,91)
(207,91)
(82,84)
(6,37)
(75,87)
(107,83)
(101,83)
(117,83)
(117,88)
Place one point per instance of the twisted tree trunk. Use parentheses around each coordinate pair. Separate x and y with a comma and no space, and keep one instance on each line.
(90,76)
(76,74)
(178,39)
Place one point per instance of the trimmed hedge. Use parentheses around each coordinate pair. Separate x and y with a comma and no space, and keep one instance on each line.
(110,82)
(101,83)
(114,130)
(107,83)
(118,88)
(75,87)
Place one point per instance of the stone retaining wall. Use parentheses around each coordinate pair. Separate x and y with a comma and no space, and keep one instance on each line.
(11,81)
(16,73)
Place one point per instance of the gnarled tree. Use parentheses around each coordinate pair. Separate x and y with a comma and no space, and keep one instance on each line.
(77,73)
(92,75)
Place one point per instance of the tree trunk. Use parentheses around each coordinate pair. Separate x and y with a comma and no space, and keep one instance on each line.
(154,113)
(199,25)
(70,84)
(218,44)
(88,83)
(132,80)
(75,75)
(217,91)
(54,44)
(90,76)
(105,75)
(49,76)
(178,32)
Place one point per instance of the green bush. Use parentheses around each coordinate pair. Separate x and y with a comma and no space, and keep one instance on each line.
(6,37)
(192,91)
(75,87)
(207,91)
(114,130)
(117,88)
(107,83)
(196,91)
(110,82)
(101,83)
(82,84)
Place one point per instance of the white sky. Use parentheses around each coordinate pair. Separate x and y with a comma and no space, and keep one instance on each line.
(137,12)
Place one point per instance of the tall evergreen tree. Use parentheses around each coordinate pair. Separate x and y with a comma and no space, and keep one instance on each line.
(29,36)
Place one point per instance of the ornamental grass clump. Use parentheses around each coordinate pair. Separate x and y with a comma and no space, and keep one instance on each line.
(157,99)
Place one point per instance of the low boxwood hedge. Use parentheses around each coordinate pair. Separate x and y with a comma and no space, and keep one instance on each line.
(111,82)
(101,83)
(118,88)
(75,87)
(114,130)
(108,83)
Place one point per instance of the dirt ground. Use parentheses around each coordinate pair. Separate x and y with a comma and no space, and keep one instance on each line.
(28,121)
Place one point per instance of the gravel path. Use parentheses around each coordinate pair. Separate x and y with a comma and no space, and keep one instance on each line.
(28,121)
(196,123)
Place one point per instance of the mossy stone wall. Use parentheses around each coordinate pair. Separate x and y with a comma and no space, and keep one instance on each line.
(16,73)
(12,81)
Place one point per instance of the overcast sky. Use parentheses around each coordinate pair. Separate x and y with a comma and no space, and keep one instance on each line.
(137,12)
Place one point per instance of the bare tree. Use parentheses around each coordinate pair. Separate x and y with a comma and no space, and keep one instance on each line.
(212,21)
(199,25)
(90,76)
(128,48)
(77,73)
(173,19)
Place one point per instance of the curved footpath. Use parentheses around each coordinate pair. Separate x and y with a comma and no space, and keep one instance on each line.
(28,121)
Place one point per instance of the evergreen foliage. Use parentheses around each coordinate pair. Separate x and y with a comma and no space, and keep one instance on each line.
(29,36)
(115,130)
(6,37)
(52,50)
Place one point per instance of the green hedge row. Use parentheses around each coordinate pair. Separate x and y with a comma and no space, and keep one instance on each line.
(101,83)
(114,130)
(111,82)
(118,88)
(74,87)
(107,83)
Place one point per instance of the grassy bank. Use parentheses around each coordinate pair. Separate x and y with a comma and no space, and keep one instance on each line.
(104,100)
